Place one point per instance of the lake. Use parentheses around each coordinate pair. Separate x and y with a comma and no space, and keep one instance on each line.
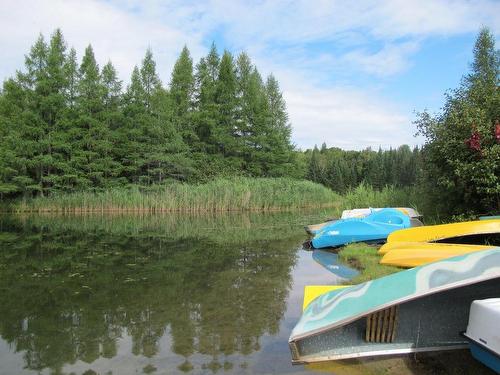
(158,294)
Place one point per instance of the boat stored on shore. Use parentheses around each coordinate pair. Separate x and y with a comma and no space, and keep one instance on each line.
(374,227)
(420,309)
(430,233)
(363,212)
(413,254)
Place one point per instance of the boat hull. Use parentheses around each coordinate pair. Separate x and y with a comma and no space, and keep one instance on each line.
(485,356)
(375,227)
(411,254)
(431,323)
(313,229)
(420,309)
(439,232)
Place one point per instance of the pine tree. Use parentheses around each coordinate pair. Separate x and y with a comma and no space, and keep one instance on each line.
(206,107)
(315,170)
(279,130)
(130,134)
(225,133)
(181,93)
(92,159)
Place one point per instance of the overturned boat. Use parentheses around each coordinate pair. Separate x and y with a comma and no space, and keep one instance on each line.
(445,232)
(413,254)
(420,309)
(374,227)
(363,212)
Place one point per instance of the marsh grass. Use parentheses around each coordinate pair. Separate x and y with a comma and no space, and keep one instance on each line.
(221,195)
(365,258)
(237,194)
(390,196)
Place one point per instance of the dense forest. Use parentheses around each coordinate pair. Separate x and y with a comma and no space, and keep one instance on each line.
(70,126)
(343,170)
(67,126)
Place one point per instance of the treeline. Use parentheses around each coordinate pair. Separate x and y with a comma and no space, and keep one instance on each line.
(67,126)
(343,170)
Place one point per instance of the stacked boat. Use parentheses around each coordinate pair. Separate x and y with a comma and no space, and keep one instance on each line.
(421,309)
(416,246)
(450,298)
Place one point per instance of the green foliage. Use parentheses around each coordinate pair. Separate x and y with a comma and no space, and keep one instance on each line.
(365,258)
(235,194)
(460,176)
(389,196)
(345,170)
(67,126)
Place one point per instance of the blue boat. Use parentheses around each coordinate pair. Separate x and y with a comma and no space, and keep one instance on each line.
(374,227)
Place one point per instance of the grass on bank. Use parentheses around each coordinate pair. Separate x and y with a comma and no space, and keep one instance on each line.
(366,259)
(236,194)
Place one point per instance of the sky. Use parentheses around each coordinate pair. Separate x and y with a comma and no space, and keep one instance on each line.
(353,73)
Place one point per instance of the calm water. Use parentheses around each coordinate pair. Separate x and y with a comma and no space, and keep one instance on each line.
(165,294)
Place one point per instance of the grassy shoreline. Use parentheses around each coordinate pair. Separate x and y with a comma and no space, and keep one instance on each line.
(220,195)
(365,258)
(237,194)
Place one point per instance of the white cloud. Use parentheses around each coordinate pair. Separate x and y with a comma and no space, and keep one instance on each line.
(116,34)
(345,117)
(280,35)
(390,60)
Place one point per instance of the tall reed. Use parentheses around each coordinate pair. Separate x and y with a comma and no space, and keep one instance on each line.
(237,194)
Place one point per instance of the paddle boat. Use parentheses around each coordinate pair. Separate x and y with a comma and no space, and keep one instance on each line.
(374,227)
(413,254)
(483,333)
(416,310)
(363,212)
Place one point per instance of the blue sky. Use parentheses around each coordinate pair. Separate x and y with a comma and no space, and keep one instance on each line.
(352,72)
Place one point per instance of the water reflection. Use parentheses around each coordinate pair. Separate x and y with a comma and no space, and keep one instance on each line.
(74,289)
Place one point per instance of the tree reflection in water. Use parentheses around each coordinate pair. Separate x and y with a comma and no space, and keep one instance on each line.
(72,287)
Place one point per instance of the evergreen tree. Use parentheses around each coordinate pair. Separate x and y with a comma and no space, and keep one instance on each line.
(225,98)
(280,130)
(66,126)
(92,157)
(113,120)
(315,170)
(182,94)
(205,103)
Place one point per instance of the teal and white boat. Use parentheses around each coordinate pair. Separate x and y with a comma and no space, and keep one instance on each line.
(374,227)
(358,213)
(420,309)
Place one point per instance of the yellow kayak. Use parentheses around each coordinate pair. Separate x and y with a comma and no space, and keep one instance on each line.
(430,233)
(413,254)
